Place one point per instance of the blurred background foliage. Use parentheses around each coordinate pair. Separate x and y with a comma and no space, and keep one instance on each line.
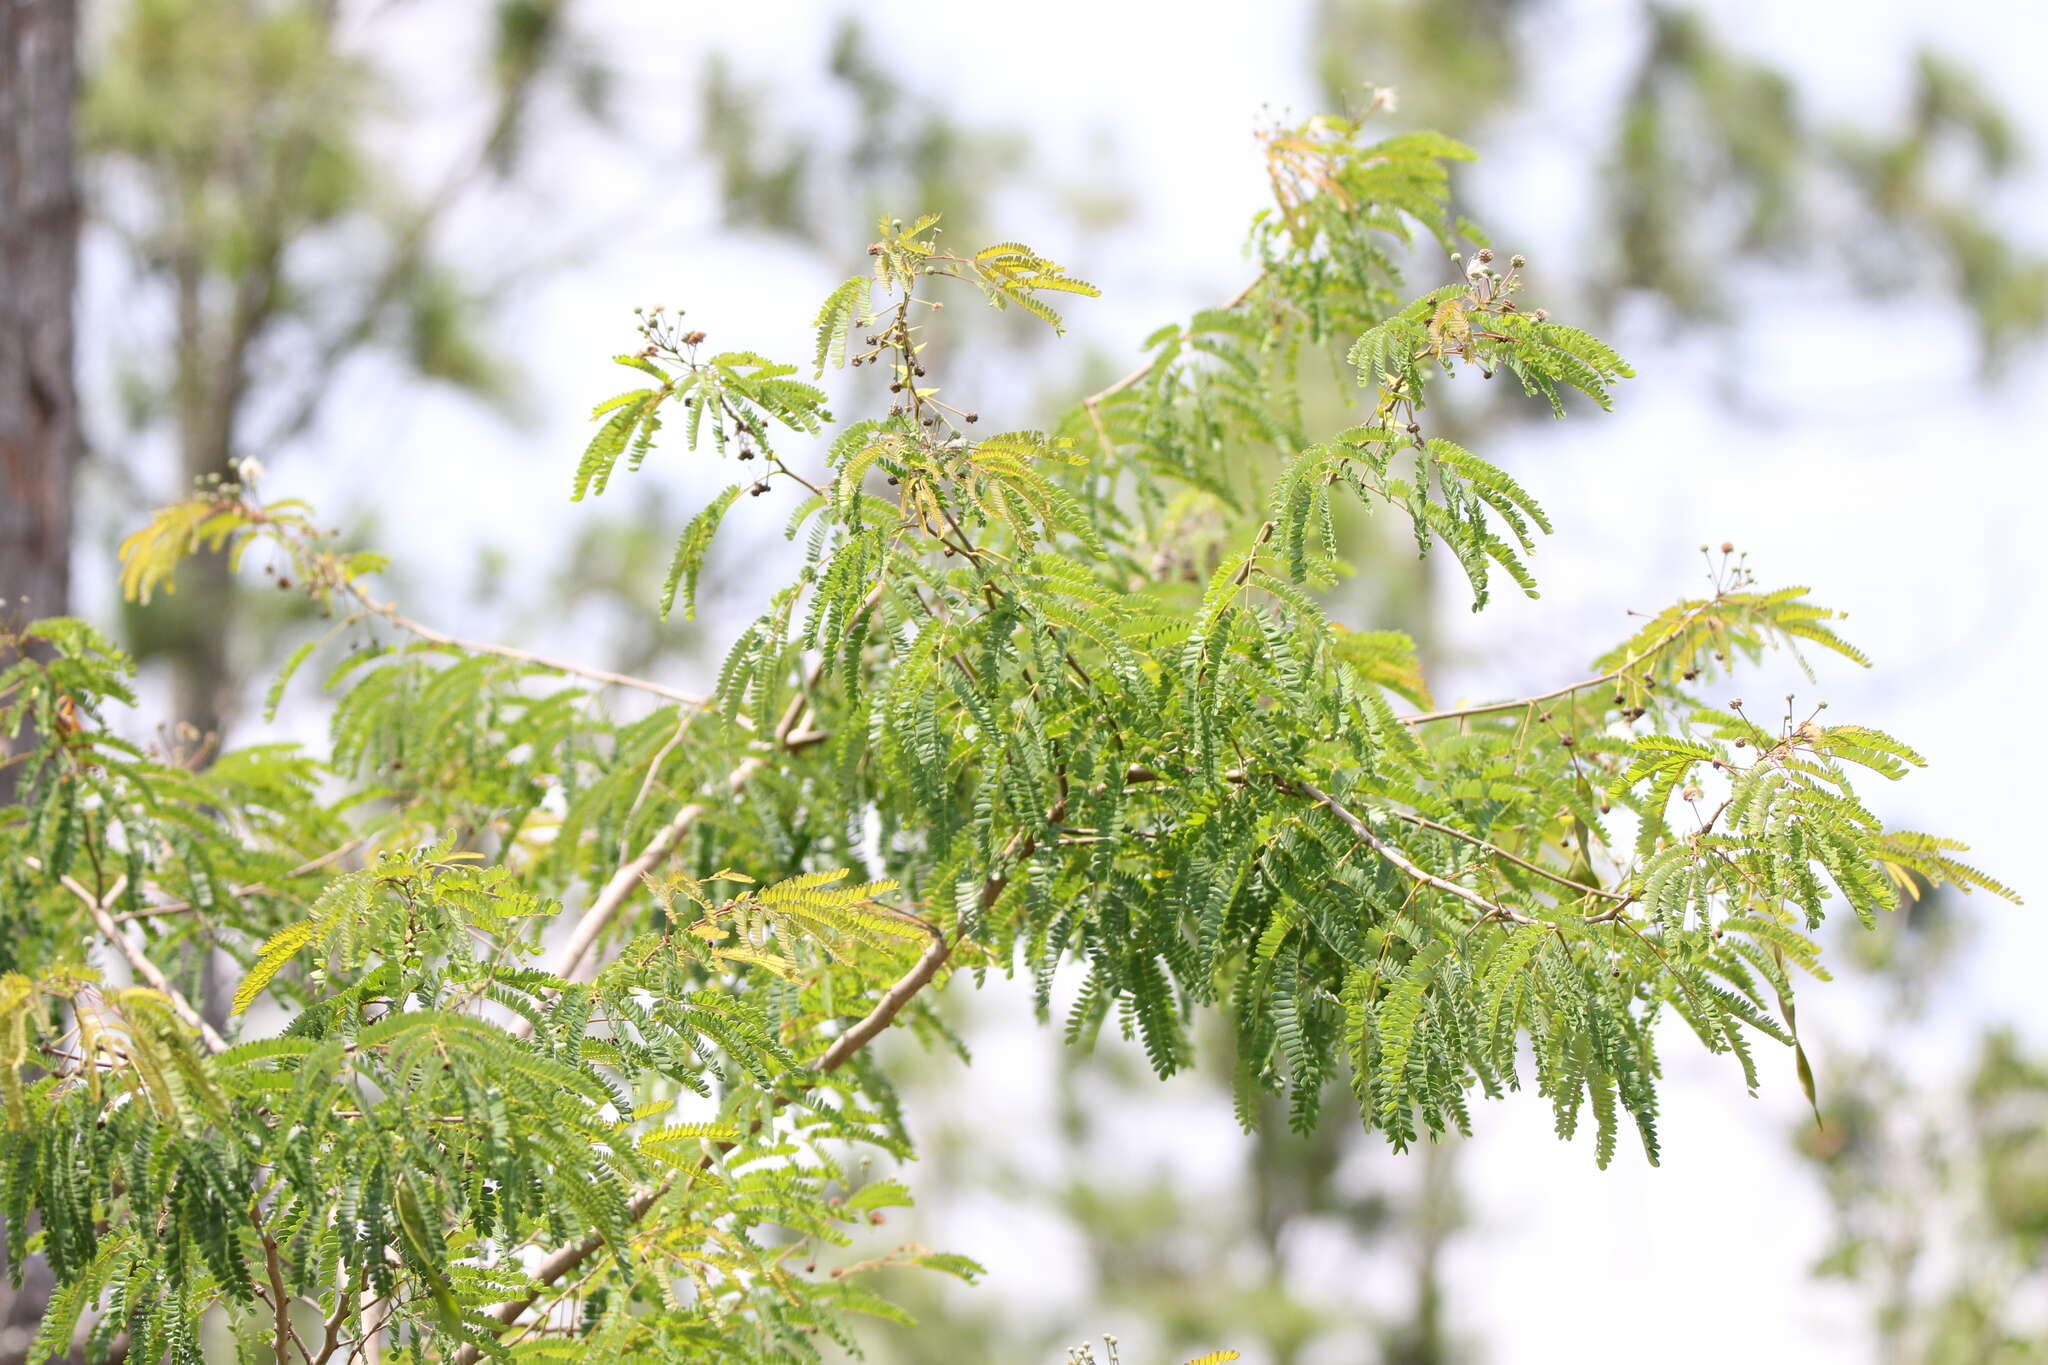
(1940,1201)
(236,153)
(280,216)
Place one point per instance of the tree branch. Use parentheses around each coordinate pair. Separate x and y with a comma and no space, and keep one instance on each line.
(1139,374)
(1497,851)
(562,1263)
(253,888)
(790,728)
(566,1261)
(886,1009)
(138,961)
(1557,693)
(389,611)
(1402,862)
(615,892)
(597,917)
(281,1305)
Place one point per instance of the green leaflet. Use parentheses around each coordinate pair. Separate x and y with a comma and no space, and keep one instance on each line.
(691,547)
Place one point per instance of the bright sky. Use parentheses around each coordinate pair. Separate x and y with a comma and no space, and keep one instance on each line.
(1871,470)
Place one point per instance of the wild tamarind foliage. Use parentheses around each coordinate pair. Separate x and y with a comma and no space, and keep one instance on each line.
(551,1037)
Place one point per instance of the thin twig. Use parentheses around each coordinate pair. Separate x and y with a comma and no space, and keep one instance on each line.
(1138,374)
(647,782)
(333,855)
(139,962)
(390,612)
(1598,680)
(597,917)
(1402,862)
(1518,703)
(886,1009)
(1497,851)
(565,1261)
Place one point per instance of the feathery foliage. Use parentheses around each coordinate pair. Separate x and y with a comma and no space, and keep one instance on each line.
(1040,699)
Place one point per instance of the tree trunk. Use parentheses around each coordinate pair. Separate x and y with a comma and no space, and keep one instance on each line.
(39,434)
(39,431)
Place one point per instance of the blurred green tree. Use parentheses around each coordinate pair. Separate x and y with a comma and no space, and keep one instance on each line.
(233,149)
(1938,1183)
(1716,158)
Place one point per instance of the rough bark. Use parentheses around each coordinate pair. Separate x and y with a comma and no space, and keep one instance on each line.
(39,429)
(39,433)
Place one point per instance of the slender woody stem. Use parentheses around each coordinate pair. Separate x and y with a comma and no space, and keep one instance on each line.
(566,1261)
(389,611)
(1137,375)
(1401,860)
(139,962)
(597,917)
(1558,693)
